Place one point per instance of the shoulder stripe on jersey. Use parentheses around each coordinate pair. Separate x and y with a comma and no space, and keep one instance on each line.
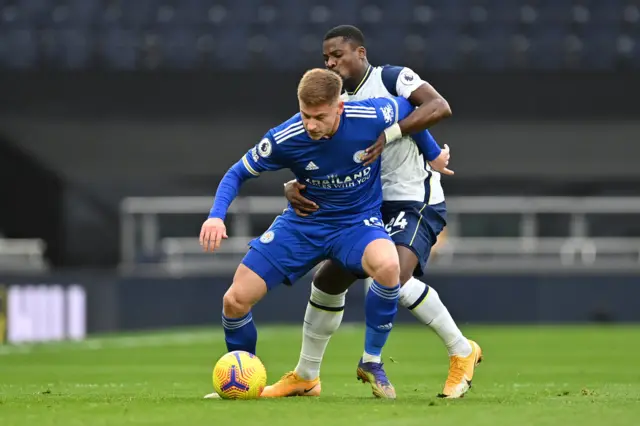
(359,107)
(248,166)
(287,133)
(395,103)
(371,113)
(276,134)
(353,115)
(290,135)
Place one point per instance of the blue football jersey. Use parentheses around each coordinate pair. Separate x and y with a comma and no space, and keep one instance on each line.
(332,168)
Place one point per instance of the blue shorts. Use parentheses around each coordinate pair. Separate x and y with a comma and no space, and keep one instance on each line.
(416,226)
(292,246)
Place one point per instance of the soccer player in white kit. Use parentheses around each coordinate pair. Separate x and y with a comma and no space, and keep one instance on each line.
(414,212)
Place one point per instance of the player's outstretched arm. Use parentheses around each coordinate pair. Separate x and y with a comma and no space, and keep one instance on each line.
(213,229)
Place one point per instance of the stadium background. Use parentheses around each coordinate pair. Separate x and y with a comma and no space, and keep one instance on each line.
(101,101)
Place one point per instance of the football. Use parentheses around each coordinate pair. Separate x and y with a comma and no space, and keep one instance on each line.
(239,375)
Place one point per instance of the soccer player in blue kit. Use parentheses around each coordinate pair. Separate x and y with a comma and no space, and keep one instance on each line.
(326,146)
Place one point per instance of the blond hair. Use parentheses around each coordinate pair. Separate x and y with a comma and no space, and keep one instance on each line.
(319,87)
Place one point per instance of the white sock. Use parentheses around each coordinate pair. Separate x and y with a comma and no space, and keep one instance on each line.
(425,304)
(322,318)
(371,358)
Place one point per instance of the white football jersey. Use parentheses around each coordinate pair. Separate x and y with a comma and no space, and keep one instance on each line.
(404,177)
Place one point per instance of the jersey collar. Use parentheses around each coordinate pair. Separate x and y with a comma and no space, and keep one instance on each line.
(364,79)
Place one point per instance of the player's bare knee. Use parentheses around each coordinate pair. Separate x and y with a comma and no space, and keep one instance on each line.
(387,272)
(381,262)
(233,306)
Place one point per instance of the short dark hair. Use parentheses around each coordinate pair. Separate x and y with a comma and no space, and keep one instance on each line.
(347,32)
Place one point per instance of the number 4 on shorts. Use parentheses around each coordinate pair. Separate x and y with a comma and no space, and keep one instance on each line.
(397,222)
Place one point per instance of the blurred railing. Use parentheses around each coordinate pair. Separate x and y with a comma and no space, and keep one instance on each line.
(483,233)
(22,255)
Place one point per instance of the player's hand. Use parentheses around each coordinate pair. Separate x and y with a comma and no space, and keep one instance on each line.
(442,161)
(302,206)
(212,233)
(372,153)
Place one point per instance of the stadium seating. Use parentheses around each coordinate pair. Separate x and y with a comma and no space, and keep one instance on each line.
(285,34)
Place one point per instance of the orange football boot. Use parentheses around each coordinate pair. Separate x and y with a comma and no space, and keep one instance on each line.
(461,371)
(292,385)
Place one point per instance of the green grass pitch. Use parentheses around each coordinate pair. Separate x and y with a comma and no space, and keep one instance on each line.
(582,375)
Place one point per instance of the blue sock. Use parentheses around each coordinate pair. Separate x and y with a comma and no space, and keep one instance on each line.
(380,307)
(240,334)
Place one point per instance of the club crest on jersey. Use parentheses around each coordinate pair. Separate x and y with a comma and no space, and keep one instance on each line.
(264,148)
(387,113)
(357,157)
(407,77)
(267,237)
